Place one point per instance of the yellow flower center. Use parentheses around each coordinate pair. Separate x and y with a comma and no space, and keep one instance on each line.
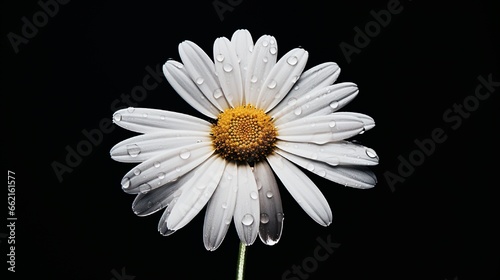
(244,133)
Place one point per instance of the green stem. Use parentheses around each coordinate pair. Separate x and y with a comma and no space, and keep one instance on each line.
(241,261)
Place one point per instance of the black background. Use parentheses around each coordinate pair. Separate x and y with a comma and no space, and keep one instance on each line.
(437,224)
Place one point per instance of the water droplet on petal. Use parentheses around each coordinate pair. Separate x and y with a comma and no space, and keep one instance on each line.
(269,194)
(144,188)
(224,205)
(228,67)
(130,109)
(220,57)
(332,124)
(272,84)
(273,50)
(280,217)
(334,105)
(310,166)
(200,80)
(218,93)
(144,115)
(162,117)
(253,79)
(184,154)
(265,43)
(137,172)
(264,218)
(133,150)
(117,117)
(265,59)
(371,153)
(292,60)
(161,175)
(332,161)
(254,195)
(322,173)
(157,164)
(292,101)
(247,220)
(125,183)
(297,111)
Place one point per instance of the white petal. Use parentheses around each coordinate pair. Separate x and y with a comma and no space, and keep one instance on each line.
(148,203)
(243,46)
(320,129)
(143,147)
(352,176)
(144,120)
(271,210)
(321,101)
(368,122)
(302,189)
(227,68)
(165,167)
(246,212)
(196,192)
(187,89)
(337,153)
(282,78)
(263,59)
(162,224)
(220,208)
(317,77)
(201,69)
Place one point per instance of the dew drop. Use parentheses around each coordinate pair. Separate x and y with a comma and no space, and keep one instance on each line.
(310,166)
(117,117)
(371,153)
(184,154)
(126,183)
(297,111)
(254,195)
(130,109)
(253,79)
(362,131)
(269,194)
(220,57)
(218,93)
(157,164)
(332,124)
(272,84)
(161,175)
(334,105)
(322,173)
(224,205)
(280,217)
(162,117)
(265,43)
(292,101)
(273,50)
(200,80)
(247,220)
(150,204)
(144,188)
(144,115)
(265,59)
(133,150)
(227,221)
(333,161)
(137,172)
(228,67)
(292,60)
(264,218)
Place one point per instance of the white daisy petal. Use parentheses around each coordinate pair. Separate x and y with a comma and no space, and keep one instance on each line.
(302,189)
(320,129)
(227,68)
(201,69)
(317,77)
(196,192)
(183,84)
(352,176)
(368,122)
(220,209)
(321,101)
(246,212)
(145,146)
(337,153)
(165,167)
(162,224)
(263,59)
(271,210)
(148,203)
(144,120)
(281,79)
(243,46)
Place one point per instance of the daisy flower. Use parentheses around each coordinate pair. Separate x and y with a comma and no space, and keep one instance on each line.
(266,117)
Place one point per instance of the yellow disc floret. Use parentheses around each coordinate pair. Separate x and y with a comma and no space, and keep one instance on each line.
(244,133)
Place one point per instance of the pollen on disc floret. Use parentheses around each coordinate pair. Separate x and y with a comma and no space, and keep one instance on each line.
(244,133)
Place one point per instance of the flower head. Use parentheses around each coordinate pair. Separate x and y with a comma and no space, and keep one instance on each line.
(267,118)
